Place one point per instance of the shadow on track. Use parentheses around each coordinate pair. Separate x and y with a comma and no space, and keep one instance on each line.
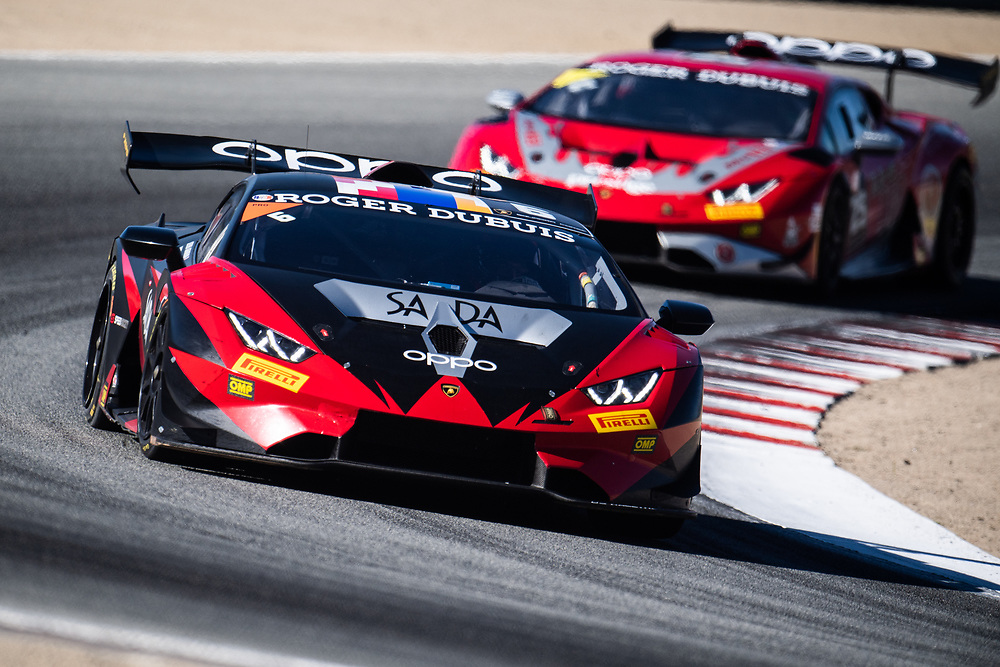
(719,531)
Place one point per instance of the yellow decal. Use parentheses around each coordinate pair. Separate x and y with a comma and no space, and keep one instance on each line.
(623,420)
(644,444)
(750,230)
(240,387)
(450,389)
(571,76)
(268,371)
(734,212)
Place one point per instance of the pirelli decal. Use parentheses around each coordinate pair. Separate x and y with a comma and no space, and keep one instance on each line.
(623,420)
(269,371)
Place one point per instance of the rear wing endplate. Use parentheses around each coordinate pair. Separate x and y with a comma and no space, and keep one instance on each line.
(157,150)
(952,69)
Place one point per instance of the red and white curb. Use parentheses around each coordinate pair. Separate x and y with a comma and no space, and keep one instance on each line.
(764,400)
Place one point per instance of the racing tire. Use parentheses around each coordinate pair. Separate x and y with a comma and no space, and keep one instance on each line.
(832,240)
(92,374)
(956,232)
(151,386)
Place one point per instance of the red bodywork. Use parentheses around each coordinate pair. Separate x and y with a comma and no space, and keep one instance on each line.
(659,206)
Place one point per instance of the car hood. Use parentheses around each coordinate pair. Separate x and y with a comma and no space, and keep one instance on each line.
(402,343)
(577,154)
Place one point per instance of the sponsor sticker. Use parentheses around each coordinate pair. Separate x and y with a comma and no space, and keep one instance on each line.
(623,420)
(268,371)
(644,444)
(752,211)
(240,387)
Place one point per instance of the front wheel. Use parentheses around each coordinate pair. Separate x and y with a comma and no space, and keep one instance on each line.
(832,240)
(93,379)
(151,386)
(956,231)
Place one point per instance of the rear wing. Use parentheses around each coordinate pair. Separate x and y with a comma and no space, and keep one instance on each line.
(952,69)
(157,150)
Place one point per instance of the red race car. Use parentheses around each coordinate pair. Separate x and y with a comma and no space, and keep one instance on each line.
(752,160)
(342,311)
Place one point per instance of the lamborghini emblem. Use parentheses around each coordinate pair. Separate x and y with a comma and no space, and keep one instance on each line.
(450,390)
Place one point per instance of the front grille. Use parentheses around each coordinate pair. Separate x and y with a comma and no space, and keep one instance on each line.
(631,238)
(457,450)
(448,340)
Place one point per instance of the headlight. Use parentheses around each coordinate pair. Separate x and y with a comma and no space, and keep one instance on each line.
(631,389)
(262,339)
(496,164)
(744,193)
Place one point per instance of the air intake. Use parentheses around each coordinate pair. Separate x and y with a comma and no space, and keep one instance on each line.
(448,340)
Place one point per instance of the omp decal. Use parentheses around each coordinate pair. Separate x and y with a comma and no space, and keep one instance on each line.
(753,211)
(450,390)
(268,371)
(240,387)
(644,444)
(623,420)
(535,326)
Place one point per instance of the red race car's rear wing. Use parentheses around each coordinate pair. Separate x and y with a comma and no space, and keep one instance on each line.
(961,71)
(157,150)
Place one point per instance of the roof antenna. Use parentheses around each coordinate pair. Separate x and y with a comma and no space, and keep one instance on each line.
(477,184)
(307,136)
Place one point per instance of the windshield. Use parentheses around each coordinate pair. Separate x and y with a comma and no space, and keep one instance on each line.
(493,254)
(666,98)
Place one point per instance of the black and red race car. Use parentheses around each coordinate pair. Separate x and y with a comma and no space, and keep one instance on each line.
(751,161)
(338,310)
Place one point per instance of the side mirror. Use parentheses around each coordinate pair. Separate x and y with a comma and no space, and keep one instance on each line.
(154,243)
(685,318)
(503,99)
(878,141)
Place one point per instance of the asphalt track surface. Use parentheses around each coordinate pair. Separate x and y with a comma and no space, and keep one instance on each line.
(376,569)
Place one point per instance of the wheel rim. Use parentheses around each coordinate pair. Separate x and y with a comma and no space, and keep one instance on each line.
(150,386)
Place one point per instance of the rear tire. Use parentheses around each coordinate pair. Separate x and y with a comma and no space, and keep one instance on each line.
(956,231)
(93,374)
(832,241)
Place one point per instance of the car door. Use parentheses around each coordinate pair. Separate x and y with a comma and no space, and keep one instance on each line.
(874,155)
